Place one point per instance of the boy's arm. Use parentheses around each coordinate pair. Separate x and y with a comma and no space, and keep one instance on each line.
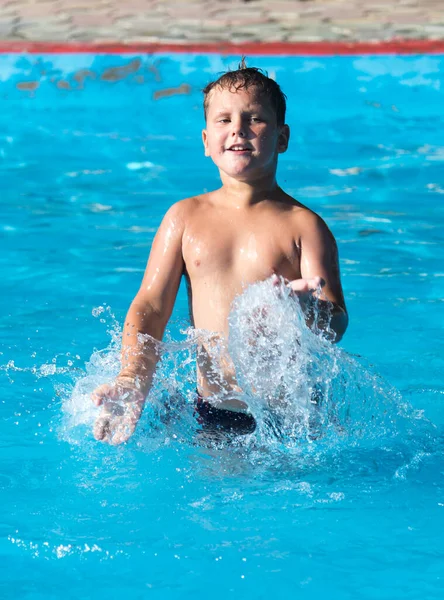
(153,304)
(146,319)
(319,258)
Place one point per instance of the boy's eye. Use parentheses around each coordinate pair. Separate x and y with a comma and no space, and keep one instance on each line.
(256,119)
(224,120)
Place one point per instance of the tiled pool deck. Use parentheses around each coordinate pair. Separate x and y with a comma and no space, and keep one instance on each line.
(217,21)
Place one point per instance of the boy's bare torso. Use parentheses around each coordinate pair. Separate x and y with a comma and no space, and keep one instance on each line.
(225,249)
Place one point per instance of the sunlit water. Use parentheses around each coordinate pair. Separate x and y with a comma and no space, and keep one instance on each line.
(343,498)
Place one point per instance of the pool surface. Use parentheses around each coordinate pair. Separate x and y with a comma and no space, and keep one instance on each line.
(94,150)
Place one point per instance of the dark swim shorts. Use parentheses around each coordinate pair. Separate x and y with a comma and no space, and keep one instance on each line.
(220,419)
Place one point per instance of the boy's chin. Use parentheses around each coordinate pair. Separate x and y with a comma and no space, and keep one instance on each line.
(245,176)
(238,168)
(248,173)
(247,168)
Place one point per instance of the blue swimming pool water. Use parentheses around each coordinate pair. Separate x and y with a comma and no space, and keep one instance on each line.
(93,153)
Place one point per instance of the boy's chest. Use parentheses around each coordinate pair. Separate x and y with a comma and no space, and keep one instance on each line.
(251,250)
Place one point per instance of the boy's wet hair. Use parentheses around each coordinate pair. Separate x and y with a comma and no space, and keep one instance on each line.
(250,77)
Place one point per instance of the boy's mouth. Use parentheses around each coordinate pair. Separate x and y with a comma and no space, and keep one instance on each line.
(240,148)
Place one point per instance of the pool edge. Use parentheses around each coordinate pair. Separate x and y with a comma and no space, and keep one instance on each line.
(396,46)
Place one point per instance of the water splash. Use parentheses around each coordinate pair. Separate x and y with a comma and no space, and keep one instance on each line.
(301,389)
(298,384)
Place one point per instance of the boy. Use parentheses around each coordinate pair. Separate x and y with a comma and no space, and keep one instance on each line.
(244,232)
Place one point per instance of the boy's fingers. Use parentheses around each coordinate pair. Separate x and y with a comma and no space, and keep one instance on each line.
(306,285)
(99,394)
(299,285)
(318,281)
(97,398)
(314,282)
(103,392)
(101,428)
(122,433)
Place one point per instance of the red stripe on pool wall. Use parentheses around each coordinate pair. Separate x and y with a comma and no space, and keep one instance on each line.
(396,46)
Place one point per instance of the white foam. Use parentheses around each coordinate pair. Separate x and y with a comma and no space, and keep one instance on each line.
(136,166)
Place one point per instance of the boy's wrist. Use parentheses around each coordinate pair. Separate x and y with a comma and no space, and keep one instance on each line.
(127,379)
(134,381)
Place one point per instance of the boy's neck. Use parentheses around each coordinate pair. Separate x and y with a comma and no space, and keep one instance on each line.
(242,194)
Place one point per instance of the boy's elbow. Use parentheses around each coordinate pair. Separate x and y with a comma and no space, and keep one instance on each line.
(150,317)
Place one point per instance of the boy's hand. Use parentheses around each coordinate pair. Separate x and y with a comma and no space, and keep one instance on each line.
(302,288)
(122,405)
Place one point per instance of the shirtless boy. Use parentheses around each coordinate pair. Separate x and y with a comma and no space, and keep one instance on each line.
(246,231)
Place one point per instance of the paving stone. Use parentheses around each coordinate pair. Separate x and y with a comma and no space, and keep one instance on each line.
(310,13)
(214,24)
(91,20)
(184,12)
(42,35)
(9,19)
(8,12)
(306,37)
(157,33)
(435,30)
(281,6)
(377,7)
(238,15)
(407,20)
(194,20)
(145,17)
(192,23)
(216,36)
(292,24)
(6,29)
(35,11)
(338,13)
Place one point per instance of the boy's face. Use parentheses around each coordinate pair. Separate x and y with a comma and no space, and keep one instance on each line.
(242,136)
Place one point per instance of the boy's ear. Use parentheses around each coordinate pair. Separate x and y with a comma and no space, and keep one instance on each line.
(283,139)
(205,142)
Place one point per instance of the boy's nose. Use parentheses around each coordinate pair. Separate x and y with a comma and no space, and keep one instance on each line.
(238,131)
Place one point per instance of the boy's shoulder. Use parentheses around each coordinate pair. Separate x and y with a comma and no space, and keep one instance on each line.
(310,219)
(184,209)
(308,226)
(306,218)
